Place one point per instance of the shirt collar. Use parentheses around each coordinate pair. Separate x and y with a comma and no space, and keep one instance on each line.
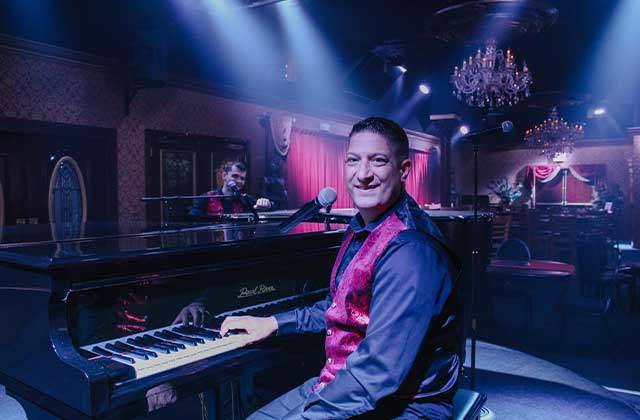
(358,226)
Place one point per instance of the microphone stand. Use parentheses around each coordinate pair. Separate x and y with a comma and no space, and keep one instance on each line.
(474,265)
(327,226)
(247,202)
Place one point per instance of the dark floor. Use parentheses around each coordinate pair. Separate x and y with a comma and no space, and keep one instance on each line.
(611,361)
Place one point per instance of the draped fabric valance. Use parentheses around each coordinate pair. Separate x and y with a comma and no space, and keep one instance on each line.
(316,160)
(554,184)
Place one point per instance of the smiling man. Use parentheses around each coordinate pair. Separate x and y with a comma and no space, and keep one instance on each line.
(234,174)
(392,331)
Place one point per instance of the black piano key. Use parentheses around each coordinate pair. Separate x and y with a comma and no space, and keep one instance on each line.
(216,323)
(118,349)
(165,339)
(168,335)
(136,349)
(140,343)
(103,352)
(197,331)
(173,346)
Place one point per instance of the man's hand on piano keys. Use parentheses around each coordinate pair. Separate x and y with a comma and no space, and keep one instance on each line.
(257,328)
(194,312)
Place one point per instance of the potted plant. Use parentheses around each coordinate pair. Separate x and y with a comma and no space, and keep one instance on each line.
(507,193)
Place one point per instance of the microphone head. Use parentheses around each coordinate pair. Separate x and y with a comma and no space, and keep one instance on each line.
(231,184)
(507,126)
(327,196)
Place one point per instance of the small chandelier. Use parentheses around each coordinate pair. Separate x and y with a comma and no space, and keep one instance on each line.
(554,136)
(491,79)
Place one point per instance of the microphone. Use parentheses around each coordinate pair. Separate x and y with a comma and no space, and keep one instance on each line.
(504,127)
(247,201)
(233,187)
(326,197)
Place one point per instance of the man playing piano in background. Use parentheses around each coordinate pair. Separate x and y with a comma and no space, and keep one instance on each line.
(233,181)
(392,331)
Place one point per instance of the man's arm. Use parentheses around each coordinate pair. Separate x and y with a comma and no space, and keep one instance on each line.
(199,207)
(411,285)
(302,320)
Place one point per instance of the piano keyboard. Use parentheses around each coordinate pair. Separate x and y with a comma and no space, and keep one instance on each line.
(161,349)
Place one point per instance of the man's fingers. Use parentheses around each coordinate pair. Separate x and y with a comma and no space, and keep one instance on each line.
(180,319)
(196,315)
(231,323)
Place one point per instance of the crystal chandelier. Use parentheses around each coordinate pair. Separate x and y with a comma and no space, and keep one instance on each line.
(491,79)
(554,136)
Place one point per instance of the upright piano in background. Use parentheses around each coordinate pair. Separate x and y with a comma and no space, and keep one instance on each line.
(66,303)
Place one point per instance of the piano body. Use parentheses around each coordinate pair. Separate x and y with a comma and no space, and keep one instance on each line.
(87,321)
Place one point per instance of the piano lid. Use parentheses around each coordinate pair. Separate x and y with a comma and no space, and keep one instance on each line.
(33,246)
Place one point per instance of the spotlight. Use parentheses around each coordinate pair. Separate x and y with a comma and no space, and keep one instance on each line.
(464,130)
(424,88)
(402,69)
(599,111)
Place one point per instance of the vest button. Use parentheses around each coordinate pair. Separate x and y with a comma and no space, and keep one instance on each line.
(329,332)
(321,385)
(333,304)
(329,360)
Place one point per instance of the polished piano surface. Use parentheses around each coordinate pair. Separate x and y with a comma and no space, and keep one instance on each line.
(87,311)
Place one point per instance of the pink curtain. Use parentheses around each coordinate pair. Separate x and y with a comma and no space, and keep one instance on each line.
(595,173)
(315,161)
(581,179)
(417,185)
(578,191)
(543,171)
(550,192)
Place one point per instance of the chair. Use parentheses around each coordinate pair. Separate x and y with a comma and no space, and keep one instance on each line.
(467,404)
(543,235)
(598,275)
(564,238)
(513,249)
(499,231)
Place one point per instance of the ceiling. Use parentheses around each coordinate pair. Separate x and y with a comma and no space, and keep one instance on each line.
(338,52)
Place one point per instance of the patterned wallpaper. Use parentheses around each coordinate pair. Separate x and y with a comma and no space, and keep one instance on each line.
(43,89)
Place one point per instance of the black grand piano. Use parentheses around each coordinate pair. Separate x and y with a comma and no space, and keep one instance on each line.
(87,316)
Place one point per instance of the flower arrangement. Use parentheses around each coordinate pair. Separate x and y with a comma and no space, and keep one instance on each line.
(506,192)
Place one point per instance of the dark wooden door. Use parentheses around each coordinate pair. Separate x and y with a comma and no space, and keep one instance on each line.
(29,151)
(184,165)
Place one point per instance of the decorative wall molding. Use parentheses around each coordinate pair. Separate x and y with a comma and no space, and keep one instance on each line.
(25,47)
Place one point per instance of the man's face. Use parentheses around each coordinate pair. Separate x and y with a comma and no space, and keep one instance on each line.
(237,175)
(373,175)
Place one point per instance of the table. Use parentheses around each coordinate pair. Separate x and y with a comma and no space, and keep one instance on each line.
(632,269)
(531,270)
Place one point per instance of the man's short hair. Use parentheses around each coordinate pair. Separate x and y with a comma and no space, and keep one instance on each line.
(388,129)
(241,167)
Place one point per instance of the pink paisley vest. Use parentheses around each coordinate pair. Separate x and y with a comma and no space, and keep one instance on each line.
(347,318)
(215,205)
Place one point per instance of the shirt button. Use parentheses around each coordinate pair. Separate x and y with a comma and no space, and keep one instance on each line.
(321,385)
(333,305)
(329,332)
(329,360)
